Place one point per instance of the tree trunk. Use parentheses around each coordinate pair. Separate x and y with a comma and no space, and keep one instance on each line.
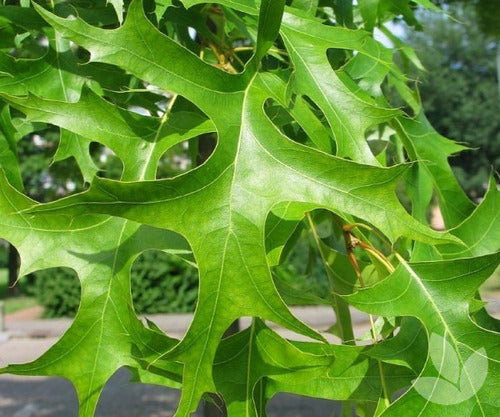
(12,288)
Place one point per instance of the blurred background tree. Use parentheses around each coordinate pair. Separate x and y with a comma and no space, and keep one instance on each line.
(460,90)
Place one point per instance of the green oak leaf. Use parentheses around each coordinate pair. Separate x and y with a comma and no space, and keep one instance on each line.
(210,205)
(282,222)
(246,6)
(481,230)
(308,6)
(438,294)
(73,145)
(238,211)
(8,148)
(432,151)
(15,21)
(139,141)
(348,111)
(301,112)
(118,6)
(276,365)
(55,75)
(102,250)
(407,349)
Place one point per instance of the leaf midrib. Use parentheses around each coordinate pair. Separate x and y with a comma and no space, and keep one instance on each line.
(103,313)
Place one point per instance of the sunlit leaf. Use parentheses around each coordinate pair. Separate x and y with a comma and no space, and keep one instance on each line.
(288,96)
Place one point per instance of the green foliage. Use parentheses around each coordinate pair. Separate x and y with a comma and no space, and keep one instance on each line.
(307,144)
(487,14)
(300,279)
(460,88)
(161,283)
(58,291)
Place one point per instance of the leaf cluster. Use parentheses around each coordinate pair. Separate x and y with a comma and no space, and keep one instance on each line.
(307,147)
(459,90)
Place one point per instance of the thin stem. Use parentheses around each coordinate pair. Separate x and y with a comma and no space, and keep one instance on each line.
(378,255)
(351,242)
(316,237)
(385,390)
(350,226)
(237,58)
(243,48)
(379,363)
(221,57)
(169,107)
(340,307)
